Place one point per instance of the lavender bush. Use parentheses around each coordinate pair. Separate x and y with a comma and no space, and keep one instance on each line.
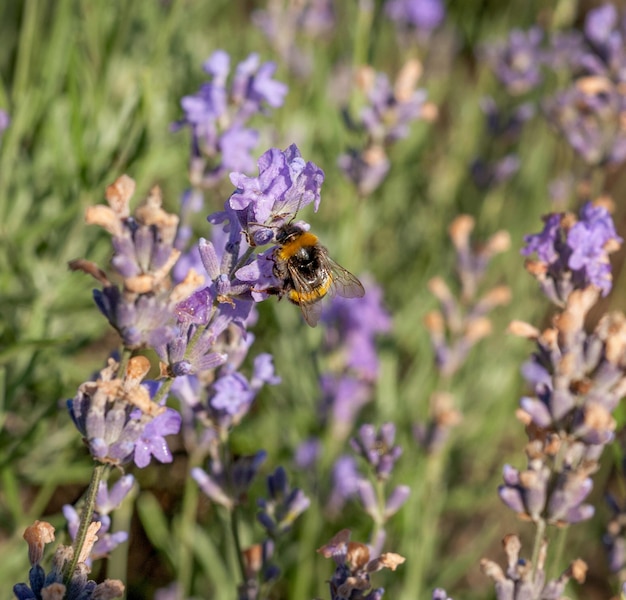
(182,431)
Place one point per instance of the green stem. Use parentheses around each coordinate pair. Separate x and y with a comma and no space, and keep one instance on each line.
(559,548)
(428,504)
(541,529)
(163,391)
(234,529)
(85,518)
(379,523)
(241,262)
(187,523)
(126,354)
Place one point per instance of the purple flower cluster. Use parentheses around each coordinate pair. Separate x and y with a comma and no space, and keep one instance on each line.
(228,485)
(589,110)
(386,117)
(573,253)
(517,62)
(578,380)
(144,254)
(522,579)
(218,115)
(57,583)
(351,329)
(590,113)
(461,322)
(614,539)
(380,454)
(504,128)
(420,16)
(354,567)
(284,505)
(106,502)
(119,420)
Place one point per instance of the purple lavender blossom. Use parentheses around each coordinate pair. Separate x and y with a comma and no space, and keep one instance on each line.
(353,325)
(487,175)
(386,118)
(217,115)
(54,584)
(284,505)
(421,15)
(345,482)
(118,419)
(535,494)
(143,256)
(354,567)
(605,33)
(521,579)
(367,169)
(517,62)
(286,184)
(225,401)
(559,402)
(588,116)
(229,489)
(506,126)
(107,542)
(377,448)
(573,253)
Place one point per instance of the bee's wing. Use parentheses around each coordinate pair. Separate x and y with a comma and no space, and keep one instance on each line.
(345,283)
(311,313)
(310,305)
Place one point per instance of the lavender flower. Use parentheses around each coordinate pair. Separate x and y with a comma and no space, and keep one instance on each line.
(506,126)
(354,566)
(345,484)
(385,119)
(284,505)
(487,175)
(440,594)
(118,419)
(462,322)
(524,580)
(578,380)
(217,115)
(144,254)
(573,253)
(614,539)
(224,402)
(377,448)
(44,586)
(352,327)
(589,115)
(517,62)
(421,15)
(229,489)
(433,434)
(260,205)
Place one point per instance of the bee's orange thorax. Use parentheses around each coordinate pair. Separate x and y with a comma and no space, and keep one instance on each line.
(286,251)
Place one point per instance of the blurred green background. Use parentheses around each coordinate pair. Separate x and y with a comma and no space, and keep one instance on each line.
(92,88)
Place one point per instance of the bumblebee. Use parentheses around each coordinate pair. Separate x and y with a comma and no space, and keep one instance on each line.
(307,274)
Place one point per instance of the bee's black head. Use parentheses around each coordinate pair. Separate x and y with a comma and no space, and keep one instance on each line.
(289,232)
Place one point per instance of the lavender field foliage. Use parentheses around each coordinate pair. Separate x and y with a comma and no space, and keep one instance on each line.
(172,428)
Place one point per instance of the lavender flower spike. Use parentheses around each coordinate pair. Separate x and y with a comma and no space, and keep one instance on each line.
(119,420)
(573,253)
